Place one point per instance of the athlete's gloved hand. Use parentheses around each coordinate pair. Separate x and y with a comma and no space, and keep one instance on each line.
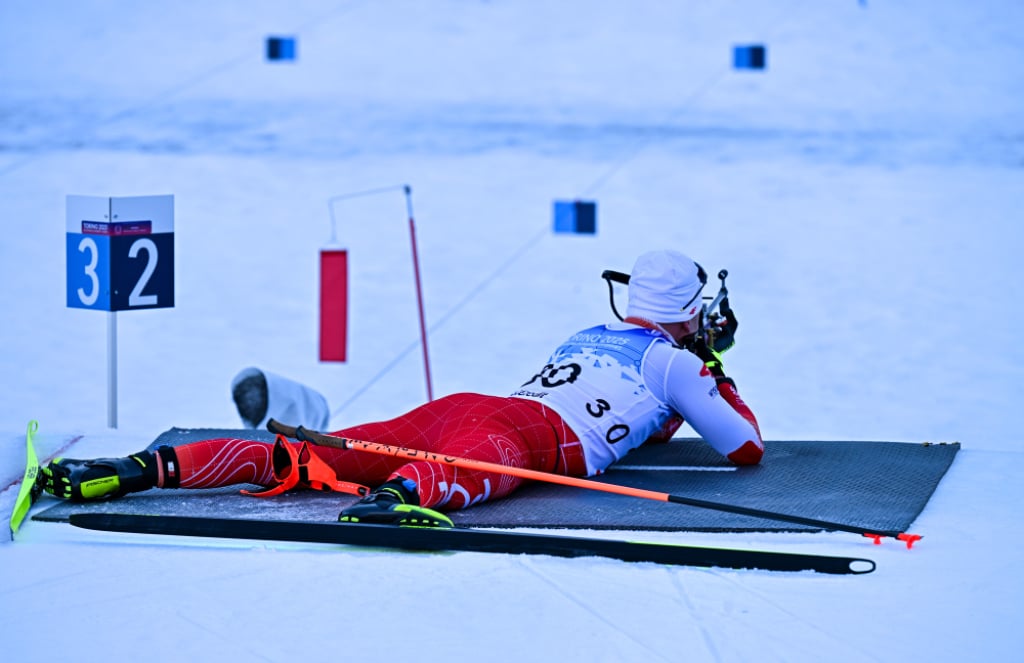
(711,359)
(55,479)
(723,335)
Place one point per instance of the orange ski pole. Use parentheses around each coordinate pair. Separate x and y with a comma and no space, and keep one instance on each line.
(321,439)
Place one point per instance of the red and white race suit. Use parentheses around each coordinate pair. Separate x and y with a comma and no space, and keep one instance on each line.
(603,392)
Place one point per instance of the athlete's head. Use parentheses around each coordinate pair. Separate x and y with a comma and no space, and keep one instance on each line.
(665,287)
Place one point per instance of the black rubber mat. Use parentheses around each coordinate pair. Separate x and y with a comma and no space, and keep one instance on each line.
(878,485)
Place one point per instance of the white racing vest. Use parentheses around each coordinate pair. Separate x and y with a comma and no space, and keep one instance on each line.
(594,382)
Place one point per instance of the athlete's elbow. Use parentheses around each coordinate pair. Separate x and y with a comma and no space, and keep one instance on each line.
(749,453)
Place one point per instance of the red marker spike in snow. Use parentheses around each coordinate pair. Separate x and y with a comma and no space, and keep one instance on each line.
(910,539)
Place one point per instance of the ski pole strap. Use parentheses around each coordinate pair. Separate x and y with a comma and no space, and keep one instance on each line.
(315,473)
(302,468)
(285,459)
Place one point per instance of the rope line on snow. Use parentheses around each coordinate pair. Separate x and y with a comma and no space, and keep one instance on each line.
(170,92)
(703,88)
(471,295)
(630,154)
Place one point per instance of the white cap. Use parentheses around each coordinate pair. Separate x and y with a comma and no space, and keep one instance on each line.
(664,286)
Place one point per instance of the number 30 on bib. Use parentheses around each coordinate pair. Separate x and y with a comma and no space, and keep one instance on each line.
(120,252)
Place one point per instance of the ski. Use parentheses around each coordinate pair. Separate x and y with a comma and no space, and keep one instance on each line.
(29,491)
(469,540)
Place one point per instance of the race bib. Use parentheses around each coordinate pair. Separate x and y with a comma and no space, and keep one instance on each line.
(594,381)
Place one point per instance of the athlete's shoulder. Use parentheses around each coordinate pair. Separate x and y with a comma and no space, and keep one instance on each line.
(675,359)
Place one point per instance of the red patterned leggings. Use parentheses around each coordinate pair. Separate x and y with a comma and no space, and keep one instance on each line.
(508,431)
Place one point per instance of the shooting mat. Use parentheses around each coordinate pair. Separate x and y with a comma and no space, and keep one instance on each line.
(878,485)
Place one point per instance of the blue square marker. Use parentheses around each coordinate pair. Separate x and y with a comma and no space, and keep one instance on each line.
(576,216)
(752,56)
(281,48)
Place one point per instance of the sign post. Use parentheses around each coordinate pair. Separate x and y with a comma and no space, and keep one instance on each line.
(120,257)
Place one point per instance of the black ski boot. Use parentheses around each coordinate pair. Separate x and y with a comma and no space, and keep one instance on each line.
(104,478)
(394,503)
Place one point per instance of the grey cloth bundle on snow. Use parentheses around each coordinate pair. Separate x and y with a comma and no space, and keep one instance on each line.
(261,396)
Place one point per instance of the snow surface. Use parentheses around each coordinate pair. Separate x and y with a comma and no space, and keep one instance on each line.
(863,193)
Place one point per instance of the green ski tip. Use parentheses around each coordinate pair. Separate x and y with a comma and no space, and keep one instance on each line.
(28,492)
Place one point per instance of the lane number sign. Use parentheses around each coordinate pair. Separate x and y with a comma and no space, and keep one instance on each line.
(120,252)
